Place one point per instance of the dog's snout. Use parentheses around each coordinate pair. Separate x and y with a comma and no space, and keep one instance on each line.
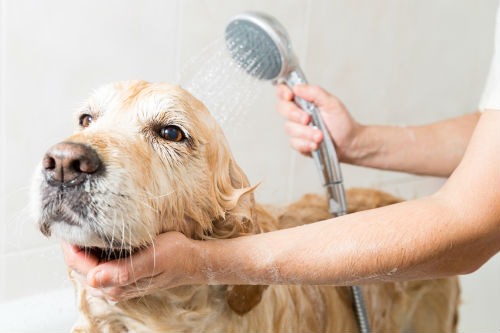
(68,163)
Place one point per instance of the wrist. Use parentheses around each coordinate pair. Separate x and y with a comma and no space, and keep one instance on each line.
(198,263)
(357,146)
(215,262)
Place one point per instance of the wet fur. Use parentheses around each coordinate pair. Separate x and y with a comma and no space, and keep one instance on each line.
(150,185)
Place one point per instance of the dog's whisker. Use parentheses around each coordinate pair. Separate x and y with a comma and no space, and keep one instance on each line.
(147,204)
(20,220)
(153,246)
(151,195)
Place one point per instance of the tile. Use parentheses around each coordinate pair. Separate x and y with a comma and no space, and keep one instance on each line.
(53,311)
(204,21)
(412,187)
(261,148)
(479,300)
(3,284)
(406,62)
(302,177)
(2,151)
(34,271)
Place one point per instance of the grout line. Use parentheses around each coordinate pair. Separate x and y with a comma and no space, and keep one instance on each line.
(2,150)
(293,158)
(409,179)
(177,73)
(178,31)
(308,14)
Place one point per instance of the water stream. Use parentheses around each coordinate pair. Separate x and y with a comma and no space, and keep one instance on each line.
(221,84)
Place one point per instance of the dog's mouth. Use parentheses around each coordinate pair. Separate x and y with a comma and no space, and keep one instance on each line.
(107,254)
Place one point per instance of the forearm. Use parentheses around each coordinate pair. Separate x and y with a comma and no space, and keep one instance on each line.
(452,232)
(386,244)
(434,149)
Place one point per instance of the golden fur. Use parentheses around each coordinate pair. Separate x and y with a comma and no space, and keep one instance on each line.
(151,185)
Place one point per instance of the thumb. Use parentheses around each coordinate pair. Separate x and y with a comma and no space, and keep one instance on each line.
(122,272)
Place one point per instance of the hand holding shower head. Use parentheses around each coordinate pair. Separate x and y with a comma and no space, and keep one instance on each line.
(260,45)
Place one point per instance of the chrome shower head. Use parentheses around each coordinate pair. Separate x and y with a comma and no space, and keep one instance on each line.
(260,45)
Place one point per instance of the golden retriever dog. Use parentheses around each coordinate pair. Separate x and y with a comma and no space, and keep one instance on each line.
(149,158)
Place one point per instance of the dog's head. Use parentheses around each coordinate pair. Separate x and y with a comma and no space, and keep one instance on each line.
(147,158)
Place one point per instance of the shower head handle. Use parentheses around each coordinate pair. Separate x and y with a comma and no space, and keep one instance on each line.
(325,156)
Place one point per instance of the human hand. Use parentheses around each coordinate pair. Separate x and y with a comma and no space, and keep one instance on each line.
(168,262)
(79,261)
(342,128)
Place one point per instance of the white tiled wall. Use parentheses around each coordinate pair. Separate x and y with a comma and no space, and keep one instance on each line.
(400,62)
(2,157)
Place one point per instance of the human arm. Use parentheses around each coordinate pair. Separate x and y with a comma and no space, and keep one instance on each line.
(451,232)
(433,149)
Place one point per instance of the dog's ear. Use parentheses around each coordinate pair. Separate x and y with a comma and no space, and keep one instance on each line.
(233,194)
(243,298)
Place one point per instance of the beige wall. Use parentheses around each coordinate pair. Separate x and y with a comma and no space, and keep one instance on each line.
(396,62)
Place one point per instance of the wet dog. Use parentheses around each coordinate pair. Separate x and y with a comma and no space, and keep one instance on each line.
(149,158)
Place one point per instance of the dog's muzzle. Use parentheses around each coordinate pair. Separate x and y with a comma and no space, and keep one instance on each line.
(68,168)
(72,197)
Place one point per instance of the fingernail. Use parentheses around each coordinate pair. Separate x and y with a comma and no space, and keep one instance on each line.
(312,145)
(317,136)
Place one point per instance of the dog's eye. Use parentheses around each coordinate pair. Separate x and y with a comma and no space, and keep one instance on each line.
(172,133)
(85,120)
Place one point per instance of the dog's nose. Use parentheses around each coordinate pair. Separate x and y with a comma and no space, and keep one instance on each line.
(67,163)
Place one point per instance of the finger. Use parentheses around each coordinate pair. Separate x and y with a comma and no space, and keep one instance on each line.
(314,94)
(303,132)
(137,288)
(284,92)
(125,271)
(291,112)
(303,146)
(78,259)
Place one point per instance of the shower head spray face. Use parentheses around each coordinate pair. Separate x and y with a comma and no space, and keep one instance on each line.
(260,45)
